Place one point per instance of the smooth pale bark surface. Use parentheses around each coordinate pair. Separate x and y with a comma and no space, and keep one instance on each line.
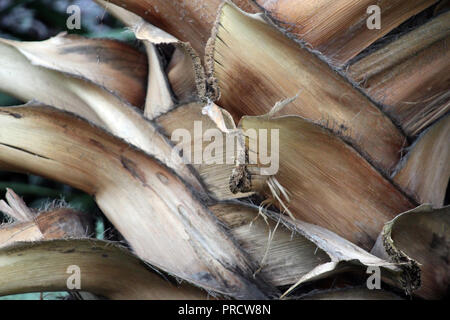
(159,216)
(185,71)
(20,78)
(338,28)
(425,170)
(329,183)
(114,65)
(410,75)
(159,97)
(420,238)
(106,269)
(256,66)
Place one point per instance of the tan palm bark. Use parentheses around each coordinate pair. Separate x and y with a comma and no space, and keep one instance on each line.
(215,172)
(184,72)
(108,63)
(425,170)
(30,225)
(297,252)
(18,78)
(151,207)
(159,226)
(338,28)
(186,20)
(54,224)
(328,182)
(256,66)
(410,75)
(338,151)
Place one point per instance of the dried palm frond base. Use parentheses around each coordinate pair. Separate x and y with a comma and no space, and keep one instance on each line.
(359,143)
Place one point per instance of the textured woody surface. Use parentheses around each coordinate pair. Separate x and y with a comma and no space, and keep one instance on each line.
(256,66)
(410,76)
(164,222)
(116,66)
(27,81)
(425,171)
(420,238)
(338,28)
(329,183)
(187,20)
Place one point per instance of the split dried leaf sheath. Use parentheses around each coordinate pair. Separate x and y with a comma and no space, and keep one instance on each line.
(256,66)
(159,216)
(215,172)
(329,183)
(295,252)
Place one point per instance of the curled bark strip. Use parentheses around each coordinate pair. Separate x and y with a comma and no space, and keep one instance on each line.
(186,20)
(184,75)
(420,240)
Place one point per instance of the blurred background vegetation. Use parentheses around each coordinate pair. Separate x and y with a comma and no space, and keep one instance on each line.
(32,20)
